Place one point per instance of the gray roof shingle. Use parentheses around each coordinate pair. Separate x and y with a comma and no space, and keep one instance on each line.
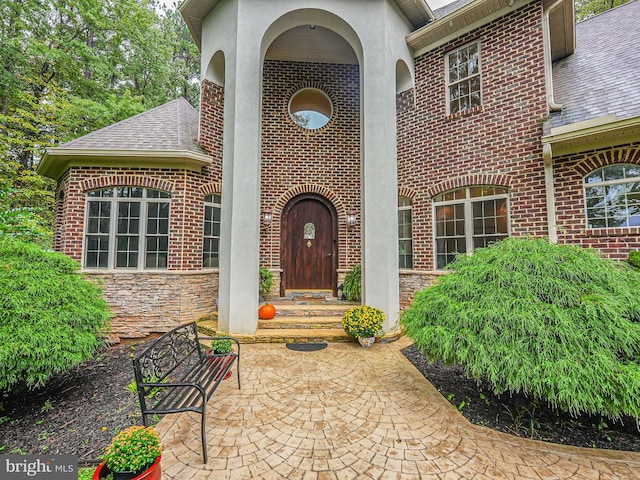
(602,77)
(169,127)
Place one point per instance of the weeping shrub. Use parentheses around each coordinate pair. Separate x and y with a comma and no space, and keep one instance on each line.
(51,318)
(352,284)
(557,323)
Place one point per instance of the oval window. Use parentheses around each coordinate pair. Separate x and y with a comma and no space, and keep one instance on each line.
(310,108)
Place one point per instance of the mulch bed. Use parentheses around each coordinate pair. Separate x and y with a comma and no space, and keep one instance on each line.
(79,412)
(519,415)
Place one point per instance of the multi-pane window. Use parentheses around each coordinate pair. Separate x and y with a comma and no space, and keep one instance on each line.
(612,197)
(469,218)
(463,78)
(405,246)
(211,240)
(127,227)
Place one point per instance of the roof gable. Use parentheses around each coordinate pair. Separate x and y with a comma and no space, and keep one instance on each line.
(165,136)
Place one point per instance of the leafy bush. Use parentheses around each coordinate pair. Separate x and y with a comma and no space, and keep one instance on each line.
(50,317)
(266,280)
(634,259)
(351,286)
(557,323)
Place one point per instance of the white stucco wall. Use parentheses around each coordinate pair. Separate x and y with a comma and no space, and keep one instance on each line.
(243,30)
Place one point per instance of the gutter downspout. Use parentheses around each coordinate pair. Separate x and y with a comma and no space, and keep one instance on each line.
(548,68)
(552,226)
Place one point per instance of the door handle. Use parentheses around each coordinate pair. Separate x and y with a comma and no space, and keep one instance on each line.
(329,254)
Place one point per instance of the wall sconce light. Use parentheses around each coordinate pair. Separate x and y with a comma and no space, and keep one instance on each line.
(267,216)
(351,218)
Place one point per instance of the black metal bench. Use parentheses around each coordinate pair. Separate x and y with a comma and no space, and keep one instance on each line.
(174,374)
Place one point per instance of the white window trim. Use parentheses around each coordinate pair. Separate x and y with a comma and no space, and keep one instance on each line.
(113,219)
(468,217)
(604,183)
(410,208)
(212,205)
(447,84)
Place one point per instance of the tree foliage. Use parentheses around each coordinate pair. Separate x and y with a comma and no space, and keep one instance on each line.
(589,8)
(51,318)
(557,323)
(69,68)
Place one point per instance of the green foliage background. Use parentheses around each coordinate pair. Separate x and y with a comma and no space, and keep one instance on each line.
(558,323)
(70,68)
(51,318)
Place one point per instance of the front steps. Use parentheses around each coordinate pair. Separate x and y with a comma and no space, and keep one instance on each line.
(297,321)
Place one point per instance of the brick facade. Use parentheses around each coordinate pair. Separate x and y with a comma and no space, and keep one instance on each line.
(325,161)
(496,144)
(569,173)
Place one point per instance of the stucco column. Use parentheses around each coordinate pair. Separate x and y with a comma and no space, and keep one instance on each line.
(240,222)
(380,284)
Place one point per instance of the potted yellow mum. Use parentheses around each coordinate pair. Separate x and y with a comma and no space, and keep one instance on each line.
(134,454)
(364,323)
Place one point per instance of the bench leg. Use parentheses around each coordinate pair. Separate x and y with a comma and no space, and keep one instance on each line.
(204,436)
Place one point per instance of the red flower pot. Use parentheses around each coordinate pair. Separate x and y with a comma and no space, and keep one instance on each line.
(152,473)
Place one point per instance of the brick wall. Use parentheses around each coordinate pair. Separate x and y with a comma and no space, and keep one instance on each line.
(569,173)
(151,302)
(497,143)
(324,161)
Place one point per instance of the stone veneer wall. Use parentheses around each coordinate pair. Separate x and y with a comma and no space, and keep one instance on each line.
(412,281)
(150,302)
(498,143)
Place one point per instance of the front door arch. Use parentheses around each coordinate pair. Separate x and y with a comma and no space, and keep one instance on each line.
(309,244)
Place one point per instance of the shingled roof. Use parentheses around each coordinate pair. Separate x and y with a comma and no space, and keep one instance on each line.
(172,126)
(165,136)
(602,76)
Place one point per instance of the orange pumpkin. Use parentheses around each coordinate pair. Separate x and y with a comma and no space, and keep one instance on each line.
(267,312)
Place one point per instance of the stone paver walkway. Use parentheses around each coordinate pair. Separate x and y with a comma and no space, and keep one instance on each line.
(347,412)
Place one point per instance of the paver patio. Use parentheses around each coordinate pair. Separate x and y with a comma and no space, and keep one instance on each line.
(347,412)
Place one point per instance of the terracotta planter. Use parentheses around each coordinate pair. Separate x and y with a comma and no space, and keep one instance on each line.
(154,472)
(226,375)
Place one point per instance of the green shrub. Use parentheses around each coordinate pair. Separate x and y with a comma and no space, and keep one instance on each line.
(50,317)
(266,280)
(221,344)
(634,259)
(351,286)
(557,323)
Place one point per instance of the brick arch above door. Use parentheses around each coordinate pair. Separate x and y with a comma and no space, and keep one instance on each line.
(330,195)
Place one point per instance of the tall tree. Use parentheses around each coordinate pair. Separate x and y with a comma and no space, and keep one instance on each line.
(69,68)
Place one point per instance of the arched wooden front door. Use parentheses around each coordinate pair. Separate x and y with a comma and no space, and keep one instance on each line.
(309,244)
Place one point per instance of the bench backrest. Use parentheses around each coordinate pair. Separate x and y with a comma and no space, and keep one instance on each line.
(170,357)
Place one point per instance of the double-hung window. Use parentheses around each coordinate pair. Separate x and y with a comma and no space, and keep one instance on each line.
(127,227)
(464,86)
(469,218)
(211,239)
(405,244)
(612,197)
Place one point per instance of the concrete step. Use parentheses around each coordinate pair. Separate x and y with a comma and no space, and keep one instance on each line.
(301,322)
(312,309)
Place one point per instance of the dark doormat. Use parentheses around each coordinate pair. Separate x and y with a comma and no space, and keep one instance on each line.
(306,347)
